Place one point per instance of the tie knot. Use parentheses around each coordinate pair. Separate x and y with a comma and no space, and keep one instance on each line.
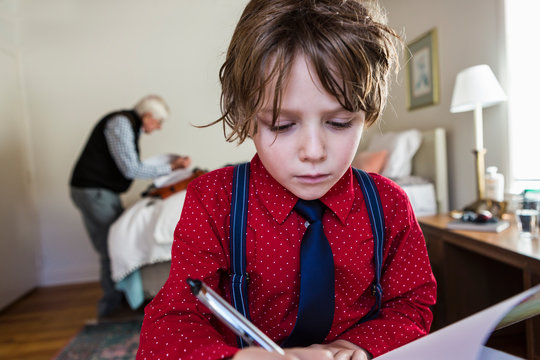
(311,210)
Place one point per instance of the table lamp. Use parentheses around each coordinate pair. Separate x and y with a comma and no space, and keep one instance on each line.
(476,88)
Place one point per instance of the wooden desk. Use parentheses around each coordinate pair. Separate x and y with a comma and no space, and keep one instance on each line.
(475,270)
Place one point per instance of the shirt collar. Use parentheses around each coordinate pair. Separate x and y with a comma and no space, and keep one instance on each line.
(339,199)
(279,201)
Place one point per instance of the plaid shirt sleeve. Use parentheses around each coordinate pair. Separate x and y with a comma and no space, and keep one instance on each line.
(121,141)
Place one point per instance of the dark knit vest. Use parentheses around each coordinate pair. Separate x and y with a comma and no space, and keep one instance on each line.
(96,167)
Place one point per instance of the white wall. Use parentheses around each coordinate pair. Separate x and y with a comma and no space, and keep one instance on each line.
(469,33)
(18,240)
(82,59)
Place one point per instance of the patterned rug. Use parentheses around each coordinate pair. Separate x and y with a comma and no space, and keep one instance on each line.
(102,341)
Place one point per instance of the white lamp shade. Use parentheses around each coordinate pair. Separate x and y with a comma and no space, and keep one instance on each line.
(475,86)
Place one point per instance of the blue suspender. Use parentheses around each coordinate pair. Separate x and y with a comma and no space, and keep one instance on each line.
(239,204)
(376,219)
(237,236)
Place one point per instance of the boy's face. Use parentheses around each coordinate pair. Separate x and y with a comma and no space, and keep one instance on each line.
(316,137)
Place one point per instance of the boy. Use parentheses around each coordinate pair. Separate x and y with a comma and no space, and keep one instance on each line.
(301,79)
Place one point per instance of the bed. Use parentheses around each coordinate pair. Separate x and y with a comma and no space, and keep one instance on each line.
(140,240)
(416,160)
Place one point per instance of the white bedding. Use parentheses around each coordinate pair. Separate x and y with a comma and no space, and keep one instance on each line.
(421,194)
(410,164)
(143,235)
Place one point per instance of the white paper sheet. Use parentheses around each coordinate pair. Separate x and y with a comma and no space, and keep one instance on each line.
(462,340)
(174,177)
(158,160)
(491,354)
(171,178)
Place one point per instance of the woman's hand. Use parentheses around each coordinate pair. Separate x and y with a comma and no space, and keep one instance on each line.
(344,350)
(290,354)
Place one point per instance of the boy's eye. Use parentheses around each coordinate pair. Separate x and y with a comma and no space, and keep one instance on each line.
(281,127)
(340,124)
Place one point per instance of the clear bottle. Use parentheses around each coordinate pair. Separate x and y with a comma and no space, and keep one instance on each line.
(494,184)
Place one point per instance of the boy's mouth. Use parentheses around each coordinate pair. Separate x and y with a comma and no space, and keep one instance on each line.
(312,178)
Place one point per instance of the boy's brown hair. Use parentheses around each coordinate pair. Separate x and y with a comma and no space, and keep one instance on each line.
(347,41)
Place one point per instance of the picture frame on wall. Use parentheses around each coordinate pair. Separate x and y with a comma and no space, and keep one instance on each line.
(423,71)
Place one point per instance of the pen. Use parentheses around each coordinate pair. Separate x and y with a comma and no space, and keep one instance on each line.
(232,318)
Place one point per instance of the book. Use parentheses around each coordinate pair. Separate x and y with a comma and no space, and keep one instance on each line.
(473,226)
(465,339)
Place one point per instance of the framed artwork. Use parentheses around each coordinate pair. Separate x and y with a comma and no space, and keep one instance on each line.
(423,71)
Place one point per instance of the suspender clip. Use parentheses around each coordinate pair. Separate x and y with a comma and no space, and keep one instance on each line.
(246,276)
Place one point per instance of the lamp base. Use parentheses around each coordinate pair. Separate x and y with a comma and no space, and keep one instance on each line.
(496,208)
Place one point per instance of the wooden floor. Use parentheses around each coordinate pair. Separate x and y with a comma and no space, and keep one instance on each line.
(41,323)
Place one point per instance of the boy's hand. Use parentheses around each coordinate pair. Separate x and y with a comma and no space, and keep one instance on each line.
(290,354)
(344,350)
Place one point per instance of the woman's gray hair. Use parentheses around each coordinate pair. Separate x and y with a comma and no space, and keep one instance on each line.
(153,105)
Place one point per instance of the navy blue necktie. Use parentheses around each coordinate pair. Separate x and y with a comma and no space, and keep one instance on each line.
(316,307)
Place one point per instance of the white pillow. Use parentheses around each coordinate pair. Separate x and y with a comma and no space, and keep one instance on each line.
(401,148)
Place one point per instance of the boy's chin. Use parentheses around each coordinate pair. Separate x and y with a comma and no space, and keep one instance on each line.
(313,193)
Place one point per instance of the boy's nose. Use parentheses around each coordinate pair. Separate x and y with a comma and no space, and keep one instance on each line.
(312,146)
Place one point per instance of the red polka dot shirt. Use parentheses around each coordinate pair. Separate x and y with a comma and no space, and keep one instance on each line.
(178,326)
